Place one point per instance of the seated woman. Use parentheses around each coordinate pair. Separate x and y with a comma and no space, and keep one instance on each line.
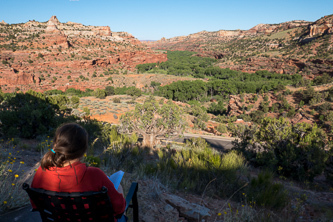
(62,171)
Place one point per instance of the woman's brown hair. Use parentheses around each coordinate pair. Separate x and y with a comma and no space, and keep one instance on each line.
(70,142)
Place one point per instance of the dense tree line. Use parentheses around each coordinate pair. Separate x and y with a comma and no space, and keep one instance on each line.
(234,83)
(222,82)
(180,63)
(99,93)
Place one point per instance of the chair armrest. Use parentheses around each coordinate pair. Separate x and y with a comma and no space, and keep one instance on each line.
(132,196)
(131,193)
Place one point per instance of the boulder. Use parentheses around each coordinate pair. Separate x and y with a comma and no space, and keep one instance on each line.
(191,211)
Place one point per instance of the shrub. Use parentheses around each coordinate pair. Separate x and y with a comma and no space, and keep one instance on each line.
(222,128)
(99,93)
(155,84)
(92,161)
(75,101)
(257,116)
(27,115)
(132,91)
(295,151)
(5,62)
(196,165)
(86,110)
(291,112)
(324,79)
(61,101)
(265,193)
(325,107)
(199,112)
(109,90)
(280,87)
(116,100)
(217,109)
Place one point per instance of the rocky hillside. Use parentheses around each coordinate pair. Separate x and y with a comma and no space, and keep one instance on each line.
(290,47)
(54,55)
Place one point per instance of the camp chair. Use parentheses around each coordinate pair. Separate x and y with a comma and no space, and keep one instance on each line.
(85,206)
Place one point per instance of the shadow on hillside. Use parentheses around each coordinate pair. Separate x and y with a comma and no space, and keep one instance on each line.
(298,97)
(32,114)
(219,145)
(190,169)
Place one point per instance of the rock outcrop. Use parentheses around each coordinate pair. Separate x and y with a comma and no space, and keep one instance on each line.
(191,211)
(53,36)
(12,79)
(54,20)
(322,26)
(265,46)
(231,34)
(55,55)
(52,26)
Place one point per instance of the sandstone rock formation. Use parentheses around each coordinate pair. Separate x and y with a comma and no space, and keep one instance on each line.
(274,47)
(54,20)
(231,34)
(12,79)
(322,26)
(55,55)
(52,26)
(53,36)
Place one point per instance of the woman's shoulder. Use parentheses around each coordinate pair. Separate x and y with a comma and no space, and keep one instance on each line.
(95,171)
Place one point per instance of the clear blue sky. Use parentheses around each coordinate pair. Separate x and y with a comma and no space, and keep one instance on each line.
(152,20)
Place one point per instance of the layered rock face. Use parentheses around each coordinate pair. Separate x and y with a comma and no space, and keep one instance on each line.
(55,55)
(74,29)
(13,79)
(52,26)
(278,48)
(322,26)
(55,37)
(231,34)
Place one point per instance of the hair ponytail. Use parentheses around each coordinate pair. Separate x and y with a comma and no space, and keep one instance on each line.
(70,142)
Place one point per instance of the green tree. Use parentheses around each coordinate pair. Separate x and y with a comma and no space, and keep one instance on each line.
(75,101)
(133,91)
(27,115)
(217,109)
(109,90)
(155,85)
(324,79)
(296,151)
(153,121)
(99,93)
(86,111)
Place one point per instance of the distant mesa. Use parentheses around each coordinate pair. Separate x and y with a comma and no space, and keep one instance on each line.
(73,23)
(75,29)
